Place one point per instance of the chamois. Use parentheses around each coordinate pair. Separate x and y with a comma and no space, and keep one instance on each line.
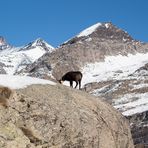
(72,76)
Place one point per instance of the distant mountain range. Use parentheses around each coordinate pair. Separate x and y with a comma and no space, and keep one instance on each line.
(114,66)
(14,59)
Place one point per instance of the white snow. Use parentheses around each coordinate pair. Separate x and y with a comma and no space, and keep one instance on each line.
(89,30)
(113,67)
(107,25)
(139,86)
(15,58)
(105,89)
(132,103)
(18,82)
(14,61)
(119,68)
(34,53)
(34,43)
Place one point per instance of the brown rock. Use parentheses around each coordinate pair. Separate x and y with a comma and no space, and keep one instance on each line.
(61,117)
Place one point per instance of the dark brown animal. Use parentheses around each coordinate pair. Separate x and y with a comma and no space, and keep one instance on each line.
(72,76)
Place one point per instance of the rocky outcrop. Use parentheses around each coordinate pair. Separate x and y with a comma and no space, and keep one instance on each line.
(139,128)
(59,117)
(122,94)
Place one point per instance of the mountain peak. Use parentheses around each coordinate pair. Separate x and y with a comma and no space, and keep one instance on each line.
(89,30)
(41,42)
(38,43)
(3,43)
(102,31)
(93,28)
(105,30)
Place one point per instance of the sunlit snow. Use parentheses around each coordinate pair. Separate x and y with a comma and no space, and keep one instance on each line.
(119,68)
(17,82)
(132,103)
(113,67)
(89,30)
(15,59)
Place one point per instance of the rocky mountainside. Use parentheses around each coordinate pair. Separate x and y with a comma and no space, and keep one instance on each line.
(13,59)
(114,66)
(90,46)
(56,116)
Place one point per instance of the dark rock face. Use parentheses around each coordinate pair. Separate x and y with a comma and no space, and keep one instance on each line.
(139,128)
(2,71)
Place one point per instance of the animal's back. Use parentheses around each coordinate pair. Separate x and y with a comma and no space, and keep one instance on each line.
(73,75)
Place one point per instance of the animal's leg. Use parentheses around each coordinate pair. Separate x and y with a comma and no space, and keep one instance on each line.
(71,84)
(76,84)
(79,84)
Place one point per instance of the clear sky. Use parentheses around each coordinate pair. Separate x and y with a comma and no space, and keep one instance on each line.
(56,21)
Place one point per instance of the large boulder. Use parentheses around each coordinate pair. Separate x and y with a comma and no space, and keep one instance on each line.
(46,116)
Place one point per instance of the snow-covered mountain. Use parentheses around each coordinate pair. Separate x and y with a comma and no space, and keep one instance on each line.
(115,73)
(114,66)
(123,82)
(15,59)
(102,31)
(89,46)
(3,44)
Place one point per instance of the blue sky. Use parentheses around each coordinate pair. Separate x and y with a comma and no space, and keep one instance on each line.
(56,21)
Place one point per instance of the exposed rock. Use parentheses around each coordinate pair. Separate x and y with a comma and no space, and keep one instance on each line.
(132,90)
(139,128)
(46,116)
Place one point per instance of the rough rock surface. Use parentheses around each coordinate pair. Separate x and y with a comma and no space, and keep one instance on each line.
(134,90)
(45,116)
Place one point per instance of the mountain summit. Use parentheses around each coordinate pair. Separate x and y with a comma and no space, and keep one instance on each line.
(102,31)
(13,59)
(38,43)
(3,43)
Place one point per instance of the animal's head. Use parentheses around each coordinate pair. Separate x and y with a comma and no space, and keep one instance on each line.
(61,81)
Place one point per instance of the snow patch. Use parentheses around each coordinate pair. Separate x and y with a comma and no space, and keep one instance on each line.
(18,82)
(131,104)
(107,25)
(89,30)
(114,67)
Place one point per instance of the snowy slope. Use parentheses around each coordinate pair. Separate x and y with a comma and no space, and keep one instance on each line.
(89,30)
(18,82)
(119,70)
(113,67)
(16,59)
